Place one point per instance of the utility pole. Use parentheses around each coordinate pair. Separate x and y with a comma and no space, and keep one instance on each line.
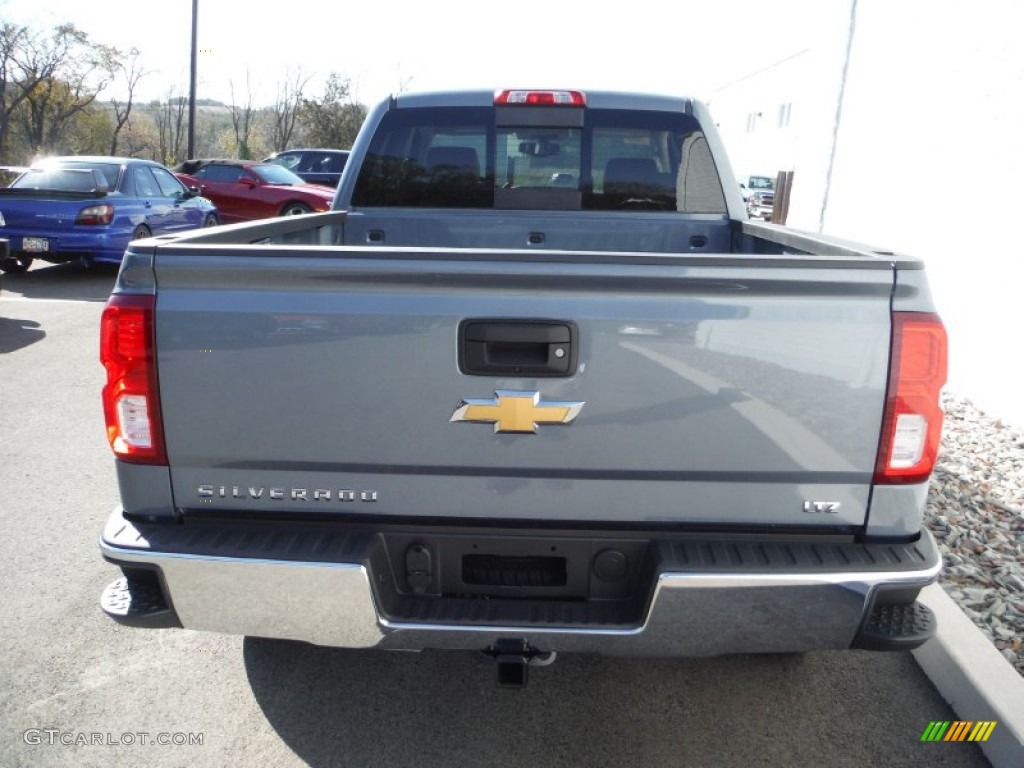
(192,84)
(837,123)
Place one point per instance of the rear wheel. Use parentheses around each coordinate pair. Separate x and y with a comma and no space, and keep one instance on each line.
(211,220)
(141,232)
(16,264)
(295,209)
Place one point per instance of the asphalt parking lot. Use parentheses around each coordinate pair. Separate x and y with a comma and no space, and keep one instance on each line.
(76,689)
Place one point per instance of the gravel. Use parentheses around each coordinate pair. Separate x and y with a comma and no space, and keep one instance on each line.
(976,512)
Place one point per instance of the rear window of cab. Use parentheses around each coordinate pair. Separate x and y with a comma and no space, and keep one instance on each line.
(588,159)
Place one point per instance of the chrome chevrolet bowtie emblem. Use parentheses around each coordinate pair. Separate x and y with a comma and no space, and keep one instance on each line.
(512,411)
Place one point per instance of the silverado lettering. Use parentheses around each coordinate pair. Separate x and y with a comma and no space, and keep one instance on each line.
(294,494)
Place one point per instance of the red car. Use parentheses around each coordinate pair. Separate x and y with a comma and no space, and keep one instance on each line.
(244,190)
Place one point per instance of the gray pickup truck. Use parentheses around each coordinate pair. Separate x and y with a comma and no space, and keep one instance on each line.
(535,384)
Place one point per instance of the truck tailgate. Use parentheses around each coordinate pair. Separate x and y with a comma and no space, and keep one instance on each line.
(715,390)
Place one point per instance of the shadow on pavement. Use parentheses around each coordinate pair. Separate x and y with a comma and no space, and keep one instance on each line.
(70,282)
(15,334)
(343,707)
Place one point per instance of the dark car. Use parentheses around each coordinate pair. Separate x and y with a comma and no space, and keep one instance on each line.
(317,166)
(88,208)
(244,190)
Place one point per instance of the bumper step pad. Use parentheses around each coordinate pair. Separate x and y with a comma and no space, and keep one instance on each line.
(897,627)
(138,602)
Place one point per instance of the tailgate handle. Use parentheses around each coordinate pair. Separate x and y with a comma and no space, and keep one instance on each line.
(517,347)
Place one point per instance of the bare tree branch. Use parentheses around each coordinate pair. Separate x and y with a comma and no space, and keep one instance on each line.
(286,110)
(128,66)
(241,120)
(170,126)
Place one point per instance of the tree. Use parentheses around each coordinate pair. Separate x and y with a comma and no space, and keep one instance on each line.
(140,137)
(285,112)
(61,78)
(26,62)
(169,117)
(12,37)
(124,65)
(241,120)
(334,120)
(215,134)
(88,134)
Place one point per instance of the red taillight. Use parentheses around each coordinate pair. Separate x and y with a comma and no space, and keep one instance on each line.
(912,425)
(95,214)
(550,98)
(131,401)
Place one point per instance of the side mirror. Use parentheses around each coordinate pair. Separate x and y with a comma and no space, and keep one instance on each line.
(249,181)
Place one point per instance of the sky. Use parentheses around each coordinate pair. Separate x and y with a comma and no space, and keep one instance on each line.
(680,47)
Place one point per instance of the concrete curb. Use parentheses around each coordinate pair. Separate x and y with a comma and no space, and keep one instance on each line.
(974,678)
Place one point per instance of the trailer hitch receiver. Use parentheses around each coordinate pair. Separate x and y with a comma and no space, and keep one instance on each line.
(514,657)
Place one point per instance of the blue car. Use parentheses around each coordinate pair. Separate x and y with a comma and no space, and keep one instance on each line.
(88,209)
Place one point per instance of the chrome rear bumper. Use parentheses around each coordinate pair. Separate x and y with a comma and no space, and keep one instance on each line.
(278,589)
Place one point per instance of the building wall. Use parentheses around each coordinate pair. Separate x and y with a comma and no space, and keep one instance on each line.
(928,154)
(802,80)
(928,158)
(756,115)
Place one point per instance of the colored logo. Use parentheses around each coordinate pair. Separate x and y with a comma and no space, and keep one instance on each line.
(511,411)
(958,730)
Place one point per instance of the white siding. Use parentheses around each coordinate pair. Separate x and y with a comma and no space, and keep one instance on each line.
(928,153)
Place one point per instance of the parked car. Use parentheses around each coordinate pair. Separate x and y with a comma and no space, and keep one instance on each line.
(244,190)
(761,204)
(755,183)
(89,208)
(759,195)
(317,166)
